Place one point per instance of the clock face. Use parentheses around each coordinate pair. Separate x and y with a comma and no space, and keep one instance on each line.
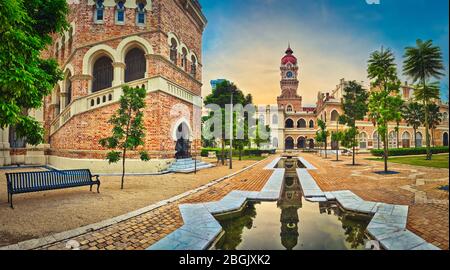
(289,74)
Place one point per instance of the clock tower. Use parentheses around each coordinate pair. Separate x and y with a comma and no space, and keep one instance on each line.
(289,100)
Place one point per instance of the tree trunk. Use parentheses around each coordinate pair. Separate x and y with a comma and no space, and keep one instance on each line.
(427,132)
(223,152)
(415,139)
(123,166)
(432,137)
(240,154)
(326,155)
(353,154)
(337,151)
(386,153)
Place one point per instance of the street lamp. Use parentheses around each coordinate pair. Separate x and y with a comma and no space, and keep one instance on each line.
(231,129)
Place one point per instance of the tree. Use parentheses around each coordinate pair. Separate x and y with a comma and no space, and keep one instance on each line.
(337,137)
(258,140)
(349,139)
(128,130)
(25,77)
(354,105)
(221,95)
(434,119)
(412,114)
(384,101)
(322,134)
(423,63)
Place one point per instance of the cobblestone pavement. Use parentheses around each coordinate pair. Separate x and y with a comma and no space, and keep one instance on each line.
(144,230)
(414,186)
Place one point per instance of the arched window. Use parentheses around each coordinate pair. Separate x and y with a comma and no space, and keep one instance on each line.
(15,141)
(102,74)
(301,123)
(301,143)
(135,64)
(406,139)
(274,119)
(173,51)
(392,139)
(68,85)
(140,13)
(57,102)
(120,12)
(289,108)
(334,116)
(445,139)
(193,66)
(184,59)
(70,40)
(419,139)
(444,117)
(311,123)
(289,123)
(377,143)
(289,143)
(99,11)
(362,140)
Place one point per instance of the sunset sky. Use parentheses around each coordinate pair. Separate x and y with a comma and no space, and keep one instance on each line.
(245,40)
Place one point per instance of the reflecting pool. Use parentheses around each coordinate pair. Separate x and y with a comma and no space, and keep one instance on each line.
(292,223)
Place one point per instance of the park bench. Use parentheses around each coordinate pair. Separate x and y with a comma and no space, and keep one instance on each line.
(27,182)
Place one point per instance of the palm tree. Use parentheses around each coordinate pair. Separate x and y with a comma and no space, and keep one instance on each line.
(412,114)
(434,119)
(422,63)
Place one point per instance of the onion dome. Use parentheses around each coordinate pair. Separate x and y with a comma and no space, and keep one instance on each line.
(289,57)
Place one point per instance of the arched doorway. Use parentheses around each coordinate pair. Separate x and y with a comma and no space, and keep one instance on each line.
(102,74)
(311,144)
(419,139)
(183,144)
(275,142)
(406,140)
(445,139)
(289,143)
(301,143)
(301,123)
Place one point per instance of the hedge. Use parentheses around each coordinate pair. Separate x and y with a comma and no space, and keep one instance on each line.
(245,152)
(410,151)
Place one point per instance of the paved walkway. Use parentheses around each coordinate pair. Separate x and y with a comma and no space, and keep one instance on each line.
(414,186)
(142,231)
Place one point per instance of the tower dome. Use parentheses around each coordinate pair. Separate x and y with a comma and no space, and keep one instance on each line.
(289,57)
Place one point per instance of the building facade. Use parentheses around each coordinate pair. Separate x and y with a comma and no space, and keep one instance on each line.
(155,44)
(294,126)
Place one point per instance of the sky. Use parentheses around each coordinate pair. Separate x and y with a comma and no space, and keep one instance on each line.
(244,41)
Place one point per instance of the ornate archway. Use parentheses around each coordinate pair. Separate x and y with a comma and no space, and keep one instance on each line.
(289,143)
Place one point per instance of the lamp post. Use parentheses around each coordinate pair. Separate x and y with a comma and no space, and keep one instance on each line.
(231,129)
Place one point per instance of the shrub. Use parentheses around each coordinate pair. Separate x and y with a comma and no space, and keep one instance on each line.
(410,151)
(245,152)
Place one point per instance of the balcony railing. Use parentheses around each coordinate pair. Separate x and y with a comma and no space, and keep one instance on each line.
(112,95)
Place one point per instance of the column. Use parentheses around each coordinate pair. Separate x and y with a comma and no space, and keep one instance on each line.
(5,158)
(119,73)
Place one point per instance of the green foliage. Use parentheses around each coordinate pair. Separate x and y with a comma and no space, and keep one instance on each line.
(128,130)
(422,63)
(245,152)
(410,151)
(349,137)
(26,78)
(354,104)
(221,95)
(434,117)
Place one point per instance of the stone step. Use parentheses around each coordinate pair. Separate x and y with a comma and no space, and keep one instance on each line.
(192,169)
(178,166)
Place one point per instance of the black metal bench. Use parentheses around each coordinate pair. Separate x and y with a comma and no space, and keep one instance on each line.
(26,182)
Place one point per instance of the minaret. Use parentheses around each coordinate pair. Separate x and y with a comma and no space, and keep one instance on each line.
(289,82)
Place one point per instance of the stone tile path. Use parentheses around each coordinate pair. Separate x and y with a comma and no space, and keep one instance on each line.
(142,231)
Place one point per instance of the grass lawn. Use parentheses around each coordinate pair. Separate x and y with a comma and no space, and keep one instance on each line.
(438,161)
(249,158)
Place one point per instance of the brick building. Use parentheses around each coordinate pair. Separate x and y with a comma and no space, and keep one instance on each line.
(294,126)
(156,44)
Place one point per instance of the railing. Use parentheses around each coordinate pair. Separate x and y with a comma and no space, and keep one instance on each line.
(112,95)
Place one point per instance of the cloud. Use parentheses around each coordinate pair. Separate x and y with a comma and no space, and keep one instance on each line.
(247,51)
